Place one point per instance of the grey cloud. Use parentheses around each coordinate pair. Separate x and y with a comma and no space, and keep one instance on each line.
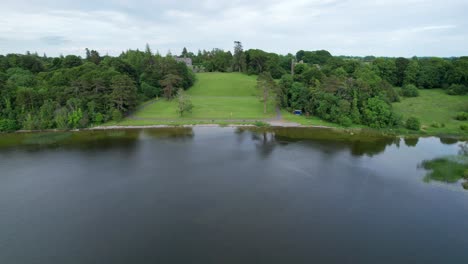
(54,40)
(362,27)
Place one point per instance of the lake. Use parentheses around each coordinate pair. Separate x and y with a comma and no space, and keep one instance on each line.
(227,195)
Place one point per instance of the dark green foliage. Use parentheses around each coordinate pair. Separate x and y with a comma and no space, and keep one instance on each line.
(378,114)
(314,57)
(413,123)
(36,91)
(116,115)
(457,89)
(71,61)
(8,125)
(464,127)
(389,91)
(462,116)
(432,73)
(238,62)
(70,92)
(409,90)
(150,91)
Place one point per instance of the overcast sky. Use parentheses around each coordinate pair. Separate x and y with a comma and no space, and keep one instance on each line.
(359,27)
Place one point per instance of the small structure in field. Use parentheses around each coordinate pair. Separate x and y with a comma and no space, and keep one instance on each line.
(297,112)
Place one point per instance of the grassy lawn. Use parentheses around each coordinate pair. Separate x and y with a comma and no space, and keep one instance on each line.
(218,96)
(434,106)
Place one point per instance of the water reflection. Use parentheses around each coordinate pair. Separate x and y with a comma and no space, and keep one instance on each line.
(265,143)
(177,133)
(411,142)
(448,141)
(357,144)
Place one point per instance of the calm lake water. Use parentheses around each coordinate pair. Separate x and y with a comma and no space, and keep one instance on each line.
(226,195)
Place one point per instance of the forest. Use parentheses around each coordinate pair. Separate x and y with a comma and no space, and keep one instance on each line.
(69,92)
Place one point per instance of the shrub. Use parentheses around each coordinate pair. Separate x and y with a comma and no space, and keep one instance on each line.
(413,123)
(99,118)
(261,124)
(8,125)
(464,127)
(410,90)
(436,125)
(378,114)
(457,89)
(345,121)
(462,116)
(116,115)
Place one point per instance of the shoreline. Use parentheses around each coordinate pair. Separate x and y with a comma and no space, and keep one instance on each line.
(349,131)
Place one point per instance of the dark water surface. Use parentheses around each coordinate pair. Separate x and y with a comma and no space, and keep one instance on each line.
(224,195)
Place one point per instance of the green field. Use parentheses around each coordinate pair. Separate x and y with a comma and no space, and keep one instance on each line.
(231,98)
(217,97)
(434,106)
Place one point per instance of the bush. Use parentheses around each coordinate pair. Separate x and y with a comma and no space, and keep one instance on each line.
(261,124)
(462,116)
(464,127)
(413,123)
(98,119)
(345,121)
(378,114)
(410,90)
(8,125)
(436,125)
(116,115)
(457,89)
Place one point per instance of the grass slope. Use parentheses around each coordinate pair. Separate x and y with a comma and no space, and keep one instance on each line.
(434,106)
(215,96)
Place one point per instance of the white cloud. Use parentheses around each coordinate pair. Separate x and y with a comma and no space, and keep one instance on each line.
(384,27)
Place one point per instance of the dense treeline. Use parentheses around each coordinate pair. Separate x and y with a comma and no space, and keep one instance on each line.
(344,90)
(39,92)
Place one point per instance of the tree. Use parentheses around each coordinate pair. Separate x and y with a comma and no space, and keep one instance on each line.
(46,114)
(378,114)
(266,86)
(169,84)
(401,64)
(124,93)
(116,115)
(61,118)
(184,52)
(71,61)
(74,118)
(184,103)
(93,56)
(256,61)
(148,50)
(411,72)
(386,69)
(238,62)
(314,57)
